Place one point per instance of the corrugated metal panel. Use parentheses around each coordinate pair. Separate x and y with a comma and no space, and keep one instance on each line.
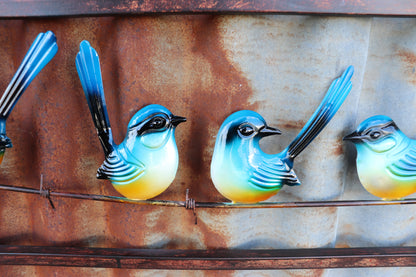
(204,67)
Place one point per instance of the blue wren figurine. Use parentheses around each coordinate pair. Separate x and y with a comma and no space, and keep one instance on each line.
(386,158)
(43,49)
(242,172)
(145,163)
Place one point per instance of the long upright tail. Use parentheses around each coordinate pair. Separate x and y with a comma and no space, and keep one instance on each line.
(333,99)
(43,49)
(88,67)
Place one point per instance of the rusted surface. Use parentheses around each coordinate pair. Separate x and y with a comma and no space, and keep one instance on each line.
(53,134)
(388,88)
(203,67)
(33,8)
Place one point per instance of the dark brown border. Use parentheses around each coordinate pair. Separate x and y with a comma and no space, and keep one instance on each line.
(208,259)
(44,8)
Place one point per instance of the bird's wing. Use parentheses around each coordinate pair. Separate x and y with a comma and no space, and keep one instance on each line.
(119,171)
(405,166)
(273,173)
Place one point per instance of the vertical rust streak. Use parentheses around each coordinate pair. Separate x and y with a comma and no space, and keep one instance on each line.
(229,91)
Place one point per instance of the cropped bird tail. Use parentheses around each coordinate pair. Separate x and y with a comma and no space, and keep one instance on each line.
(43,49)
(88,67)
(334,98)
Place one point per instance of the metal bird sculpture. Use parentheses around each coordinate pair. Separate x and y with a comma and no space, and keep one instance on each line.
(386,158)
(145,163)
(242,172)
(42,50)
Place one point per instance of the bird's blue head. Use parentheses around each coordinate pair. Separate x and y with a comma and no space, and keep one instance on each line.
(378,133)
(243,127)
(153,125)
(237,153)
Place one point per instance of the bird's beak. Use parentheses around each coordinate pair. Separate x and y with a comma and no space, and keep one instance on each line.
(269,131)
(176,120)
(354,137)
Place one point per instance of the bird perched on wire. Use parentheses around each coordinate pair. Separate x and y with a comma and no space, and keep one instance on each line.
(145,163)
(242,172)
(386,158)
(42,50)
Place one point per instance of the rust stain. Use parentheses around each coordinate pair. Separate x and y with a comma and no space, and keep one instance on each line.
(337,150)
(325,5)
(177,61)
(230,91)
(307,272)
(289,125)
(409,58)
(342,245)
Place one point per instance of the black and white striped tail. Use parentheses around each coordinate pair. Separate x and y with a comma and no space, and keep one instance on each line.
(89,72)
(42,50)
(332,101)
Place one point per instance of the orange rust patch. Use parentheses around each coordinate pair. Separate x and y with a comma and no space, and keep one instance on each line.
(337,150)
(287,125)
(176,61)
(307,272)
(342,245)
(409,58)
(229,92)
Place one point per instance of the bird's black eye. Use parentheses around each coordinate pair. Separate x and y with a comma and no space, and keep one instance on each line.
(246,130)
(157,123)
(375,134)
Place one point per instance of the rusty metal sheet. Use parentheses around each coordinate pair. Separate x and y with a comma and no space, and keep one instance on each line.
(203,67)
(388,88)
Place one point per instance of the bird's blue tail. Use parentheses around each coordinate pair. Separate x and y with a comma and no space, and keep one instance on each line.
(334,98)
(43,49)
(88,67)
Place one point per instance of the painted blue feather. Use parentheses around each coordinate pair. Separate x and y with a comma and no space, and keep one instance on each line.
(273,173)
(405,166)
(88,66)
(333,100)
(118,170)
(42,50)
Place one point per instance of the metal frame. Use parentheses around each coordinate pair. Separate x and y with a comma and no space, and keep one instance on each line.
(44,8)
(207,259)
